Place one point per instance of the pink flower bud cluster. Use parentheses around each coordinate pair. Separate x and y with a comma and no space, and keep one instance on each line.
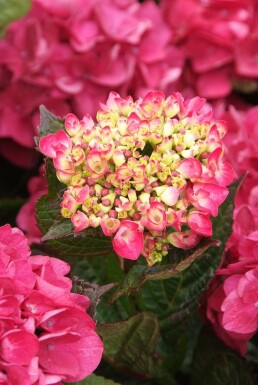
(149,172)
(232,300)
(46,337)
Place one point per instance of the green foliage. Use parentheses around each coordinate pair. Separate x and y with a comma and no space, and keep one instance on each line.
(49,123)
(58,230)
(11,10)
(215,364)
(96,380)
(139,274)
(130,345)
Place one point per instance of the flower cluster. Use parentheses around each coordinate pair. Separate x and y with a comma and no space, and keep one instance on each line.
(232,299)
(149,172)
(45,336)
(79,52)
(239,149)
(219,40)
(67,55)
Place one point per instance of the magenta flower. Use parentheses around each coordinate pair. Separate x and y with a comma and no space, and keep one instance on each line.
(232,297)
(180,180)
(46,336)
(128,241)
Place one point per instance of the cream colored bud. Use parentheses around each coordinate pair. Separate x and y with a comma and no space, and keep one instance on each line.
(144,197)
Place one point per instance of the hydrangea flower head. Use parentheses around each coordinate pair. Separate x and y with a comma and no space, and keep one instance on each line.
(149,172)
(46,336)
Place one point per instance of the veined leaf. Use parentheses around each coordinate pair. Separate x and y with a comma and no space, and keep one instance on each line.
(49,122)
(215,364)
(130,345)
(96,380)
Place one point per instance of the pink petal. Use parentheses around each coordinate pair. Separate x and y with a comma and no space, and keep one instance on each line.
(70,320)
(19,347)
(190,168)
(128,241)
(238,317)
(214,84)
(200,223)
(50,144)
(71,355)
(170,196)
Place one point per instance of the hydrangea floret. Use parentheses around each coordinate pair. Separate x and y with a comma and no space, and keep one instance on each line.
(149,172)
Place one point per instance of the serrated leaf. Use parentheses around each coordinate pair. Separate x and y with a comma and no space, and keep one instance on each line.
(130,345)
(48,211)
(12,10)
(60,229)
(215,364)
(139,274)
(96,380)
(49,122)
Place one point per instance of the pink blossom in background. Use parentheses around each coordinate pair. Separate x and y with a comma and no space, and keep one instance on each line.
(231,304)
(231,298)
(241,146)
(46,335)
(218,39)
(70,54)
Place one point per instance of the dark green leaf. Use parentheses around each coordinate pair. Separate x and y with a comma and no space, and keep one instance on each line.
(59,229)
(96,380)
(49,123)
(48,211)
(139,274)
(215,364)
(222,224)
(130,345)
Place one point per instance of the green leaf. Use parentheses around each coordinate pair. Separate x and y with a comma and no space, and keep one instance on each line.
(60,229)
(49,123)
(139,274)
(81,245)
(96,380)
(222,224)
(12,10)
(130,345)
(215,364)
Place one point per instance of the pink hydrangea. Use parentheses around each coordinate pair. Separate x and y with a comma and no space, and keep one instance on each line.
(232,298)
(232,304)
(46,336)
(67,55)
(219,39)
(145,169)
(240,150)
